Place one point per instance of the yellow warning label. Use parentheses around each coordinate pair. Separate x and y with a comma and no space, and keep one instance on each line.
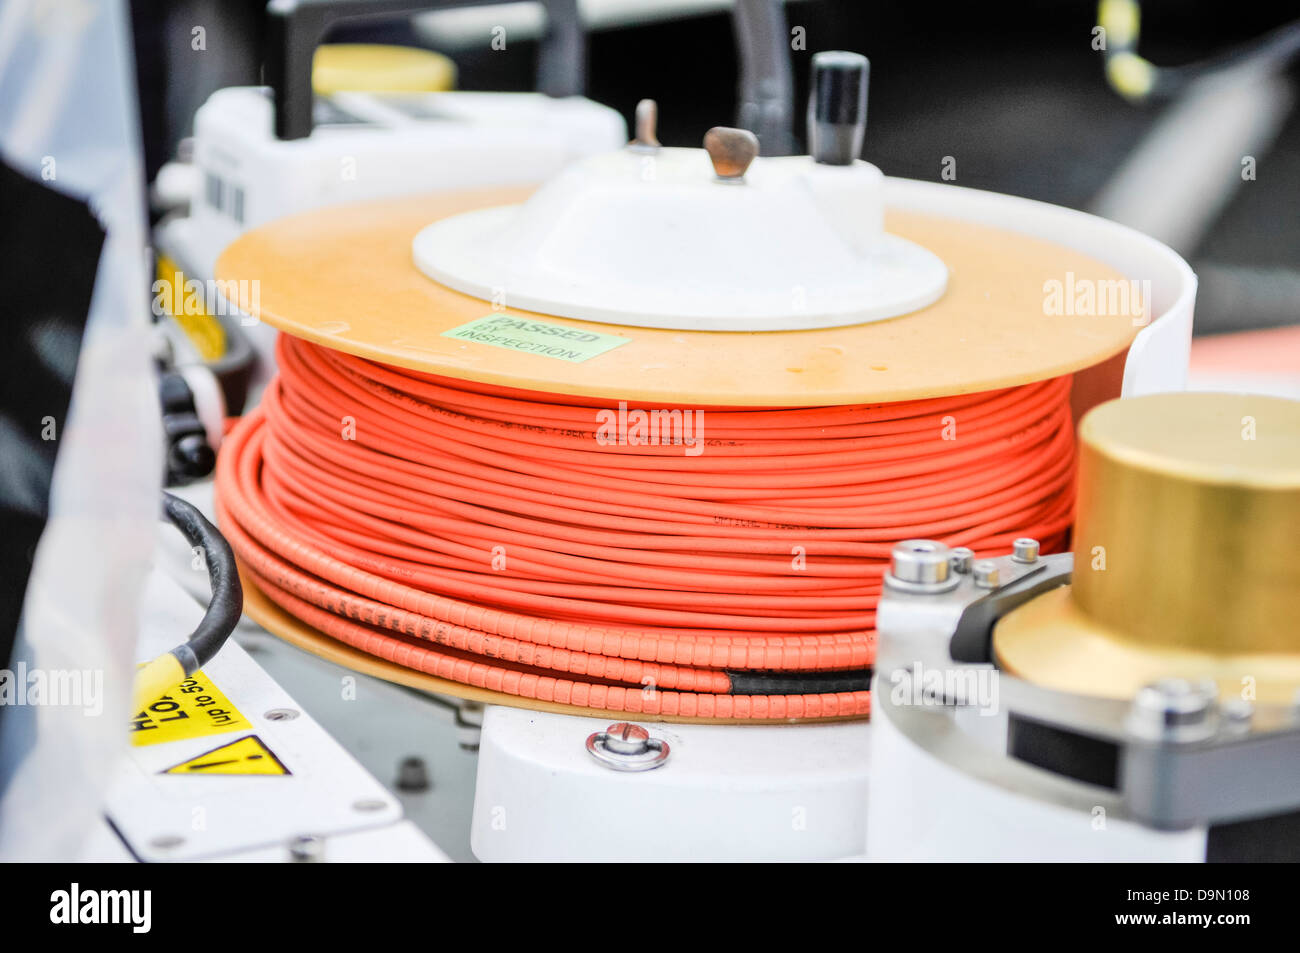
(193,709)
(248,755)
(184,299)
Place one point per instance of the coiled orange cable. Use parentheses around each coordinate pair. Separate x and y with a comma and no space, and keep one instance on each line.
(724,565)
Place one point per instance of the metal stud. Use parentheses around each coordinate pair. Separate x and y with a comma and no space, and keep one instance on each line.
(1025,550)
(647,121)
(986,574)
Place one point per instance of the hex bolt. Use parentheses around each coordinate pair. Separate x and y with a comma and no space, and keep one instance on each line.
(1174,710)
(961,558)
(1237,713)
(307,849)
(413,775)
(921,561)
(1025,550)
(921,566)
(986,574)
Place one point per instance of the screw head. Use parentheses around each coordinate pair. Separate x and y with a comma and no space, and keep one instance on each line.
(1237,713)
(1025,550)
(624,746)
(922,561)
(985,573)
(412,775)
(307,849)
(961,558)
(1174,709)
(626,738)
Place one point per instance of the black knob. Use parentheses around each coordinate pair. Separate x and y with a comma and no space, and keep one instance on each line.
(189,458)
(837,106)
(175,394)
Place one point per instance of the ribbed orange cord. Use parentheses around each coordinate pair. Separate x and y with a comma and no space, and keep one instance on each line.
(501,538)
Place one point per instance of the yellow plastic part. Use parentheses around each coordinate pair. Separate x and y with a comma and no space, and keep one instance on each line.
(365,67)
(1130,75)
(1121,19)
(155,679)
(343,277)
(187,307)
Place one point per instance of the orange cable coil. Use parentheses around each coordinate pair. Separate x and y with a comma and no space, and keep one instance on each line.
(547,547)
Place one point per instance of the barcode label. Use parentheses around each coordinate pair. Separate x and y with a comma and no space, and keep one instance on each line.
(224,197)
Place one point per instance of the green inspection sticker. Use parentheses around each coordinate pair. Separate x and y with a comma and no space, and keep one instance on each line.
(536,337)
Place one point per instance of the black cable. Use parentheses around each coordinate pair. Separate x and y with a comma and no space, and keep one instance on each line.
(1270,51)
(799,683)
(227,594)
(1138,78)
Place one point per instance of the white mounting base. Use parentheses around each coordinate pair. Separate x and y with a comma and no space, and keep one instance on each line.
(727,792)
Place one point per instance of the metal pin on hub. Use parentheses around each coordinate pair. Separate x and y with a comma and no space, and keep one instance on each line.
(647,121)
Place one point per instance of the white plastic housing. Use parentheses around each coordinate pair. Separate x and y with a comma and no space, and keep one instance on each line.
(653,238)
(243,176)
(374,146)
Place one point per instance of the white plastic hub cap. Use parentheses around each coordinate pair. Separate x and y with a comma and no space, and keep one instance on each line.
(653,238)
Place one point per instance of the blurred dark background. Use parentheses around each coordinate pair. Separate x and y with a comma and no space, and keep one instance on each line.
(1013,92)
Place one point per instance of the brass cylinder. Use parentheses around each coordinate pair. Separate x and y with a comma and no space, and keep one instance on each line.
(1187,552)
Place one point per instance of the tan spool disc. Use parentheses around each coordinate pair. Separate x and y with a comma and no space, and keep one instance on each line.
(343,277)
(1188,514)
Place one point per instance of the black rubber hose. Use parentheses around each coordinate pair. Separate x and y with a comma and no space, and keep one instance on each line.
(796,683)
(1269,53)
(227,594)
